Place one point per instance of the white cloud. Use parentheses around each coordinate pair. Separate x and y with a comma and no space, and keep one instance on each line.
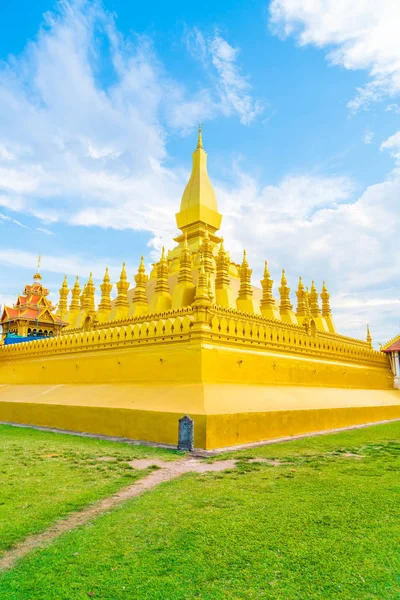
(74,150)
(70,265)
(10,220)
(233,90)
(369,137)
(44,230)
(393,145)
(311,227)
(360,34)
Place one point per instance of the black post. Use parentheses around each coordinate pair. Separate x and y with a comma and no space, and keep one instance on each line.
(186,433)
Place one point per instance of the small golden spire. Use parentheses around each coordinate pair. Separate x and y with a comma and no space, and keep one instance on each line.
(202,296)
(267,283)
(162,285)
(326,309)
(285,305)
(313,300)
(121,301)
(89,296)
(63,304)
(200,136)
(245,289)
(222,280)
(139,296)
(210,290)
(105,302)
(369,337)
(301,300)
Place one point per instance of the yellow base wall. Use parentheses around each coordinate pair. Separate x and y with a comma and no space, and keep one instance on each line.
(235,429)
(224,414)
(242,379)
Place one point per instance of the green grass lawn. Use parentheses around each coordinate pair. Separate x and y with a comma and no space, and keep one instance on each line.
(46,475)
(323,524)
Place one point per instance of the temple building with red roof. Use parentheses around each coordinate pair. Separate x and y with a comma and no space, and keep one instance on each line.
(392,349)
(33,315)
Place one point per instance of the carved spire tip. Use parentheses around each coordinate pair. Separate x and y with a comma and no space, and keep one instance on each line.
(200,136)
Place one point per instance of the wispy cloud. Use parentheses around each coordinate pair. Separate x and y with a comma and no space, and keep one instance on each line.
(356,35)
(232,93)
(369,137)
(44,230)
(10,220)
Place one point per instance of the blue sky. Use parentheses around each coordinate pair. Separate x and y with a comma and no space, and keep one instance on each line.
(99,105)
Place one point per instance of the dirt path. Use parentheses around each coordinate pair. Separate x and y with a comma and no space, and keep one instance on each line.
(166,472)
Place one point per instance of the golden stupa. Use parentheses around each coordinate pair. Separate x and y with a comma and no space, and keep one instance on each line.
(196,337)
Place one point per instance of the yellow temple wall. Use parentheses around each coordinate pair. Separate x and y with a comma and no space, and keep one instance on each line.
(242,378)
(232,347)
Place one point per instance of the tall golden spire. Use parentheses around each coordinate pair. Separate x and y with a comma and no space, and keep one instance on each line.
(199,204)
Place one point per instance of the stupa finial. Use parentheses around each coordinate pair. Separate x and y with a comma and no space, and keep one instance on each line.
(200,136)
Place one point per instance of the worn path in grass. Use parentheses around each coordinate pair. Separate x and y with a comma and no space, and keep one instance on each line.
(47,475)
(165,472)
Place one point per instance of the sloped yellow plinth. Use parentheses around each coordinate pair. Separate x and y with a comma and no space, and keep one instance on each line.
(224,415)
(241,381)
